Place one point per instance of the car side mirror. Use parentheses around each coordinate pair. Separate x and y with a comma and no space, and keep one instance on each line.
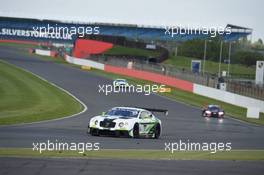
(103,113)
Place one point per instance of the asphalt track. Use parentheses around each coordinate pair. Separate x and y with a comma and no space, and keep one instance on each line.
(30,166)
(183,122)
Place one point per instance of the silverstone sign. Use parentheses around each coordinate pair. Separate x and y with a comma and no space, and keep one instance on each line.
(9,32)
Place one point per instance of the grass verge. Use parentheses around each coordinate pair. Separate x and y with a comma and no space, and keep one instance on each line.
(248,155)
(25,98)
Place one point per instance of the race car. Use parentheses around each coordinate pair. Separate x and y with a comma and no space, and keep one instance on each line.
(213,111)
(121,83)
(127,122)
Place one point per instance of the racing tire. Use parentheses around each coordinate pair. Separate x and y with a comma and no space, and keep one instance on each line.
(117,134)
(94,132)
(157,131)
(136,131)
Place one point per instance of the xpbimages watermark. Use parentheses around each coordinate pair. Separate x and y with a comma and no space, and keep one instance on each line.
(146,89)
(64,30)
(54,31)
(56,145)
(212,31)
(213,147)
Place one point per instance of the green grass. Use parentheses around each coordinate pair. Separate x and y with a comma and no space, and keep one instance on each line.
(248,155)
(192,99)
(26,98)
(210,66)
(121,50)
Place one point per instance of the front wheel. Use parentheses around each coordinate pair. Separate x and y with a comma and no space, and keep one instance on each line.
(136,131)
(94,132)
(157,131)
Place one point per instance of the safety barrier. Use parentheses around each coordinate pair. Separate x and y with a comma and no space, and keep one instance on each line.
(84,62)
(43,52)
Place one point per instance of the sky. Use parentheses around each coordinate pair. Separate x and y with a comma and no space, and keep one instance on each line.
(188,13)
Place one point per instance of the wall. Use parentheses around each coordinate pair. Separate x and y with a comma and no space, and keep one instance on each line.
(43,52)
(84,47)
(228,97)
(154,77)
(84,62)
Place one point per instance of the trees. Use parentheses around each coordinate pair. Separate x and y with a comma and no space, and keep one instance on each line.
(195,48)
(258,45)
(242,51)
(247,58)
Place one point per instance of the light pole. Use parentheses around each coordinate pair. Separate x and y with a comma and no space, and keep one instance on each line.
(205,48)
(229,58)
(220,59)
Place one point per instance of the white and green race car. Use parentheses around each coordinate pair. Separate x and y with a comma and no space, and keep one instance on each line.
(127,121)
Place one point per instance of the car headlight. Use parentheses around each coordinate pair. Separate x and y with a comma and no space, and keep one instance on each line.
(221,113)
(208,112)
(96,122)
(121,124)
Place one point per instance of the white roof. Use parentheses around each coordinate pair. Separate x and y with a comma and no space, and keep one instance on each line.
(129,108)
(119,79)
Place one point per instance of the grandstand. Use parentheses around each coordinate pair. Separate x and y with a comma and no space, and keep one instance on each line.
(129,31)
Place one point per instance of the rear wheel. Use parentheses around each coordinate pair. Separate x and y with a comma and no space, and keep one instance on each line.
(136,131)
(157,131)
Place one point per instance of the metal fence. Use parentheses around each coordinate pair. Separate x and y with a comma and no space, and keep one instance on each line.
(246,88)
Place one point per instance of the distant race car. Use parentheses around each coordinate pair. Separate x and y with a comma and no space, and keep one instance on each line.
(213,111)
(127,121)
(120,83)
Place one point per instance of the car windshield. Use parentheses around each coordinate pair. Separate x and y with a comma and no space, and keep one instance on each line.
(123,112)
(121,81)
(213,108)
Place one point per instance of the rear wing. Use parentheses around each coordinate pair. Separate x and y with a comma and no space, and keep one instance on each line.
(165,111)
